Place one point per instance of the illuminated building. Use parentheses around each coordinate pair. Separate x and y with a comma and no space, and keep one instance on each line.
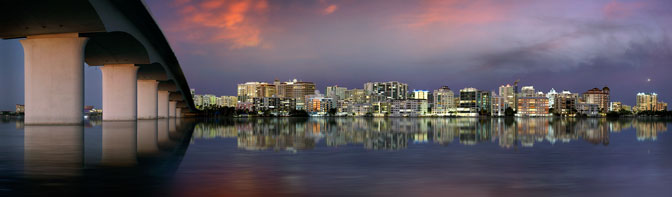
(599,97)
(357,96)
(295,89)
(647,102)
(508,94)
(409,107)
(532,106)
(318,104)
(588,109)
(250,90)
(444,101)
(468,105)
(565,103)
(615,106)
(420,94)
(388,90)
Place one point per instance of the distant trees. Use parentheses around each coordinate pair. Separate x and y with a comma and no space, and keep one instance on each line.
(509,112)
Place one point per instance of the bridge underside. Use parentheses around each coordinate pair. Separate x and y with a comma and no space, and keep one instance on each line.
(141,75)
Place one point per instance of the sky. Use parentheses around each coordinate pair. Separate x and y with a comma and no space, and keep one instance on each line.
(571,45)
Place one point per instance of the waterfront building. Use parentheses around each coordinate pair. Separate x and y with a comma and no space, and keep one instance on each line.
(297,90)
(388,90)
(615,106)
(250,90)
(381,108)
(588,109)
(408,107)
(209,100)
(647,102)
(420,94)
(508,94)
(532,106)
(245,106)
(468,102)
(318,104)
(357,96)
(565,103)
(599,97)
(228,101)
(444,102)
(498,106)
(661,106)
(271,104)
(527,91)
(336,92)
(198,101)
(361,109)
(20,108)
(551,97)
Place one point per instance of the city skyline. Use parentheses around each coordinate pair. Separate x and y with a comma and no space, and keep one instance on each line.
(621,44)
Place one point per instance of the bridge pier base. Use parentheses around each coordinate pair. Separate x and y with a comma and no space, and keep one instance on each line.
(178,112)
(120,91)
(172,106)
(147,99)
(163,103)
(54,78)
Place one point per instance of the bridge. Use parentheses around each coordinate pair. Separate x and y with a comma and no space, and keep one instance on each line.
(142,78)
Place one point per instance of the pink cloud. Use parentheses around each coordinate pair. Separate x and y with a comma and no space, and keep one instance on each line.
(458,12)
(617,9)
(237,22)
(330,9)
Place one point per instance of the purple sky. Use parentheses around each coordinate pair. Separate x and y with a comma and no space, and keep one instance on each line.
(574,45)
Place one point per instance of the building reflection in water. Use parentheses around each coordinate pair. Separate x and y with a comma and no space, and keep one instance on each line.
(395,133)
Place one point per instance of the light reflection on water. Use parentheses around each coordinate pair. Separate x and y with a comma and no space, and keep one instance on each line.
(339,156)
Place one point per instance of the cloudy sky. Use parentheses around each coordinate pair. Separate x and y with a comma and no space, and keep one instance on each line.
(574,45)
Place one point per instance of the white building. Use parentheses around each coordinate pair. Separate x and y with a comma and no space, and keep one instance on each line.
(409,107)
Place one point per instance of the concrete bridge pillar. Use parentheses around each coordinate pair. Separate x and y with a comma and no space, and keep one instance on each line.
(178,112)
(172,106)
(119,91)
(147,99)
(163,103)
(54,78)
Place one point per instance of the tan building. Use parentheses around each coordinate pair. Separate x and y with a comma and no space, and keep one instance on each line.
(532,106)
(444,102)
(295,89)
(250,90)
(647,102)
(600,97)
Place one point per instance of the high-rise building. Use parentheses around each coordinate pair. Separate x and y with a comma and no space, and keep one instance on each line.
(444,101)
(420,94)
(319,104)
(599,97)
(647,102)
(356,96)
(388,90)
(565,103)
(296,89)
(527,91)
(250,90)
(551,97)
(336,92)
(508,94)
(469,99)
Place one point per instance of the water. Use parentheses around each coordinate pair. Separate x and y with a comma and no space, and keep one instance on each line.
(339,156)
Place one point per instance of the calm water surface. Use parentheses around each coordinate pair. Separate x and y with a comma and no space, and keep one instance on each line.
(339,156)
